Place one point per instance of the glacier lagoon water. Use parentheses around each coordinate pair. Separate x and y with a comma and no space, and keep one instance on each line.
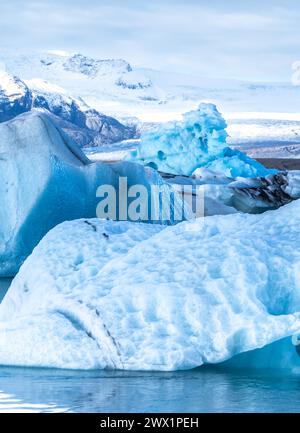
(206,389)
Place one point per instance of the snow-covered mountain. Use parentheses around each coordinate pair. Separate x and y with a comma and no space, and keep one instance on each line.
(263,118)
(101,83)
(15,97)
(119,89)
(85,124)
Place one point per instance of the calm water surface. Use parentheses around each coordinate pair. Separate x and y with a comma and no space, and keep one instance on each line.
(201,390)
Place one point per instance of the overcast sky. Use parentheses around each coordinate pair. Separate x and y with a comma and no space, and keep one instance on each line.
(246,39)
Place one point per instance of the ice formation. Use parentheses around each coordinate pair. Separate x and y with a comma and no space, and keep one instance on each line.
(46,179)
(223,195)
(102,294)
(198,141)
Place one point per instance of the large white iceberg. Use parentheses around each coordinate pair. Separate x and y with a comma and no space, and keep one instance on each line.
(46,179)
(103,294)
(199,140)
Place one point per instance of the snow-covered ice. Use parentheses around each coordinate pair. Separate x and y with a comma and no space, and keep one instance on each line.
(134,296)
(263,131)
(269,137)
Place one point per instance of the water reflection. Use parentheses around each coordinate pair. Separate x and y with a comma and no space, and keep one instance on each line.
(202,390)
(10,404)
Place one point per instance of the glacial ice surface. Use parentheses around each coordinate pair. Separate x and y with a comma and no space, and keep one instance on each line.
(121,295)
(46,179)
(199,140)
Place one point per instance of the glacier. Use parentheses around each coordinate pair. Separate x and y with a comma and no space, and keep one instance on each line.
(123,295)
(199,140)
(45,179)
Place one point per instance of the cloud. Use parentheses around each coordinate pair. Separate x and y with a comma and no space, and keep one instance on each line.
(230,39)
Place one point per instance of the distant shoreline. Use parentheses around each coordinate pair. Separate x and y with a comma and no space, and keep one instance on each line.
(280,163)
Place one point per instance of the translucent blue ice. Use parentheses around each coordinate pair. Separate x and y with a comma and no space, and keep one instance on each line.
(46,179)
(199,140)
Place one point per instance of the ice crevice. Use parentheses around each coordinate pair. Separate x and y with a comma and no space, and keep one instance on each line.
(88,319)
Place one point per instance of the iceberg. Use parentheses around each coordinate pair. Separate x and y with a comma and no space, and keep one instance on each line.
(223,195)
(199,140)
(46,179)
(122,295)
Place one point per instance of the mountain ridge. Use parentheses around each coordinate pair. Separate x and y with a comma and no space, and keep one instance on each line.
(87,126)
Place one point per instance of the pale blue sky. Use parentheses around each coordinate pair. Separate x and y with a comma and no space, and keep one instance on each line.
(246,39)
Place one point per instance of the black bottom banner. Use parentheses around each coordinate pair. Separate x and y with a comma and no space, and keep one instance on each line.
(138,422)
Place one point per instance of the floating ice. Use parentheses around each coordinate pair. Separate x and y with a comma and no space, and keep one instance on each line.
(198,141)
(223,195)
(102,294)
(46,179)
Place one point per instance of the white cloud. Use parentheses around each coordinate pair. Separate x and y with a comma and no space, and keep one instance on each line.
(253,40)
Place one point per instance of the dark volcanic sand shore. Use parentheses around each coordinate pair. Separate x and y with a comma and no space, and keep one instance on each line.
(280,163)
